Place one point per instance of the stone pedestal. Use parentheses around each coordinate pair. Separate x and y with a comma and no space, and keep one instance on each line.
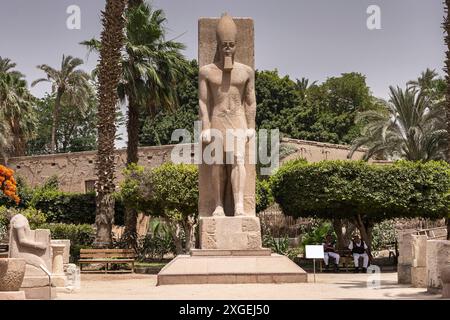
(445,276)
(66,253)
(58,276)
(419,277)
(230,233)
(405,258)
(419,262)
(12,295)
(231,269)
(12,272)
(438,257)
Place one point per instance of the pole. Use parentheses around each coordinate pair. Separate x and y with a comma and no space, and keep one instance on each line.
(314,268)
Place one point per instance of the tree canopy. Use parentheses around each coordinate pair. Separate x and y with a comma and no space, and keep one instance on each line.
(361,192)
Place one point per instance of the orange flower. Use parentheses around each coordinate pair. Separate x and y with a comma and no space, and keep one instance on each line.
(8,185)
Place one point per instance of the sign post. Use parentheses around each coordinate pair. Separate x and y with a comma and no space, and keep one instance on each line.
(314,252)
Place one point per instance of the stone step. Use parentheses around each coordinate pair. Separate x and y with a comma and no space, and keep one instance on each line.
(220,252)
(186,269)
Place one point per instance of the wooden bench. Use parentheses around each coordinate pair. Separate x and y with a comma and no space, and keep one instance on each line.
(107,257)
(345,260)
(4,250)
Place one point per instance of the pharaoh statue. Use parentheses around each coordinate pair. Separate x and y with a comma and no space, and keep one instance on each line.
(227,111)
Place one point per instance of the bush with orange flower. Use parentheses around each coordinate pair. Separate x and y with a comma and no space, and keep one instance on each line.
(8,184)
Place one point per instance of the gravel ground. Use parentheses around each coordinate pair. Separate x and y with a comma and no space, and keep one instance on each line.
(327,286)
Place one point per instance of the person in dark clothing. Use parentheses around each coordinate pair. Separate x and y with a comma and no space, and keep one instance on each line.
(359,249)
(330,251)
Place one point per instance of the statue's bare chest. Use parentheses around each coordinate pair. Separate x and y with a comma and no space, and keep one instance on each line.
(228,82)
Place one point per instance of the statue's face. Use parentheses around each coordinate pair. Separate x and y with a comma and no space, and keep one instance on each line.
(228,48)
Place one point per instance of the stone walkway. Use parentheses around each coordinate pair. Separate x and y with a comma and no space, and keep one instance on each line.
(327,286)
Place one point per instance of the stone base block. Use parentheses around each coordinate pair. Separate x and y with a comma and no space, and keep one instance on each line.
(186,269)
(12,295)
(404,274)
(438,253)
(219,252)
(59,281)
(38,288)
(446,291)
(230,233)
(419,277)
(35,281)
(40,293)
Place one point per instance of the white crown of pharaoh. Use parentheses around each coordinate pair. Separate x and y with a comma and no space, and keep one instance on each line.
(226,28)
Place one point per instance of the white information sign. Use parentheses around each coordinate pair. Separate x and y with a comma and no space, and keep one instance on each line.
(314,252)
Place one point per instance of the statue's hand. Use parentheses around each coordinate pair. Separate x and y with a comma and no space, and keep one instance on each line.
(250,134)
(206,136)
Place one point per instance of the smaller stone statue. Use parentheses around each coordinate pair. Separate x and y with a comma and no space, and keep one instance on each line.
(24,245)
(34,247)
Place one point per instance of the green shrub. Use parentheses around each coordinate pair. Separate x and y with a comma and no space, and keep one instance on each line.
(317,233)
(80,236)
(343,189)
(383,235)
(35,217)
(364,194)
(264,197)
(280,246)
(75,208)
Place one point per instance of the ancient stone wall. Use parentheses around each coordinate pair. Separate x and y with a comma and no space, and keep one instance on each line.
(76,171)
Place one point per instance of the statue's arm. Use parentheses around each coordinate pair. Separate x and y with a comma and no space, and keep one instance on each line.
(250,101)
(24,241)
(203,100)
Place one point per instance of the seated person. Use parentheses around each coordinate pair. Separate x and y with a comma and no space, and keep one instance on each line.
(329,251)
(359,249)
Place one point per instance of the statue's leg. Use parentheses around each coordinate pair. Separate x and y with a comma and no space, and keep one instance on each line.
(218,187)
(238,176)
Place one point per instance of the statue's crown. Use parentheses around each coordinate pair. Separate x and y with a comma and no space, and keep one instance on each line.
(226,29)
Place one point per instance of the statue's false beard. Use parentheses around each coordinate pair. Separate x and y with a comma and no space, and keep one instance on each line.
(228,63)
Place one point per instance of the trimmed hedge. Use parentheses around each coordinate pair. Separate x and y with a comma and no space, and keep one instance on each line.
(76,208)
(343,189)
(80,236)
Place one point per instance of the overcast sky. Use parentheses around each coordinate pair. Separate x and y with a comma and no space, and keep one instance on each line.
(315,39)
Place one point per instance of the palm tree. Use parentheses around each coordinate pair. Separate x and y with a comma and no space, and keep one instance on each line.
(16,112)
(16,104)
(6,66)
(70,82)
(446,26)
(109,75)
(410,127)
(151,69)
(303,85)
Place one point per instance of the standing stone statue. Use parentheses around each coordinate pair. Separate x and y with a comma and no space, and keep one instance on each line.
(227,110)
(231,248)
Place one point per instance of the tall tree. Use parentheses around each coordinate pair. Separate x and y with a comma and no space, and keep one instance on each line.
(76,131)
(69,83)
(410,127)
(109,75)
(446,26)
(16,113)
(151,69)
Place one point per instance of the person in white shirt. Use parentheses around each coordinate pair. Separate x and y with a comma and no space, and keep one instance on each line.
(359,249)
(329,251)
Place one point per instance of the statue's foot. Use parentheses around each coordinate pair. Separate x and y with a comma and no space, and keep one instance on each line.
(219,212)
(239,211)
